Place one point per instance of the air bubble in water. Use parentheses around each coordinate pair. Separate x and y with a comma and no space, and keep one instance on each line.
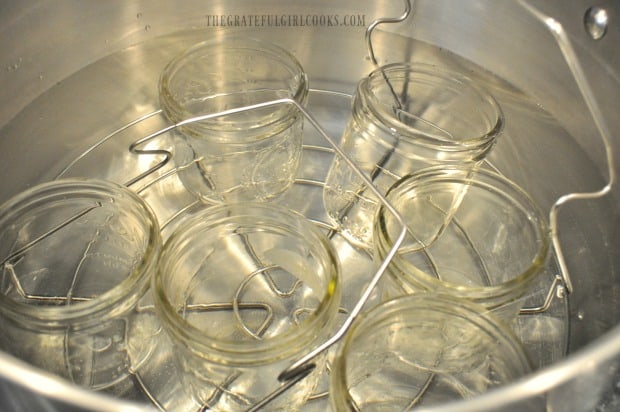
(14,66)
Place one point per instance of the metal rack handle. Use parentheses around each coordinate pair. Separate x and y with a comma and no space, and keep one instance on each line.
(571,59)
(371,27)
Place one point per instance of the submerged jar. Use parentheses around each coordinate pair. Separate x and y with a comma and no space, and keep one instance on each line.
(473,234)
(406,117)
(423,350)
(77,256)
(243,290)
(248,156)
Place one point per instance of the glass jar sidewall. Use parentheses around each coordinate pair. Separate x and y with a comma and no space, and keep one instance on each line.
(295,343)
(113,303)
(505,297)
(287,113)
(370,323)
(463,148)
(88,342)
(260,170)
(202,377)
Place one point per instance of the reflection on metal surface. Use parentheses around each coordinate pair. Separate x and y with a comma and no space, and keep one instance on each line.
(596,21)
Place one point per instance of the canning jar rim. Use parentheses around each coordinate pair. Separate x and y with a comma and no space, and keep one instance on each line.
(454,173)
(387,122)
(449,305)
(175,111)
(114,301)
(244,353)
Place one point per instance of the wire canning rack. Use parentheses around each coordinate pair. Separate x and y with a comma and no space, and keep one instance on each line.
(154,152)
(162,174)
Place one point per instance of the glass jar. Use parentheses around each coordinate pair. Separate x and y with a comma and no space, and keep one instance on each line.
(470,233)
(243,290)
(406,117)
(248,156)
(423,350)
(77,255)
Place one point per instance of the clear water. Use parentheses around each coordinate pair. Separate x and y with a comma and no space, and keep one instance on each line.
(70,131)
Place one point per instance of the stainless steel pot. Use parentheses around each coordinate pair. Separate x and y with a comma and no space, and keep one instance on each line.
(51,110)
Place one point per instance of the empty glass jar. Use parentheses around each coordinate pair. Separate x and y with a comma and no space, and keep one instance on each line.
(77,255)
(423,350)
(473,234)
(406,117)
(243,290)
(248,156)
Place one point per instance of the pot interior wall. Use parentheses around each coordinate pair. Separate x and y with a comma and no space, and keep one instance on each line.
(51,110)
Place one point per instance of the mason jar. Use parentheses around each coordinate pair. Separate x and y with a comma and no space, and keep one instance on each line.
(473,234)
(406,117)
(248,156)
(423,350)
(77,256)
(243,290)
